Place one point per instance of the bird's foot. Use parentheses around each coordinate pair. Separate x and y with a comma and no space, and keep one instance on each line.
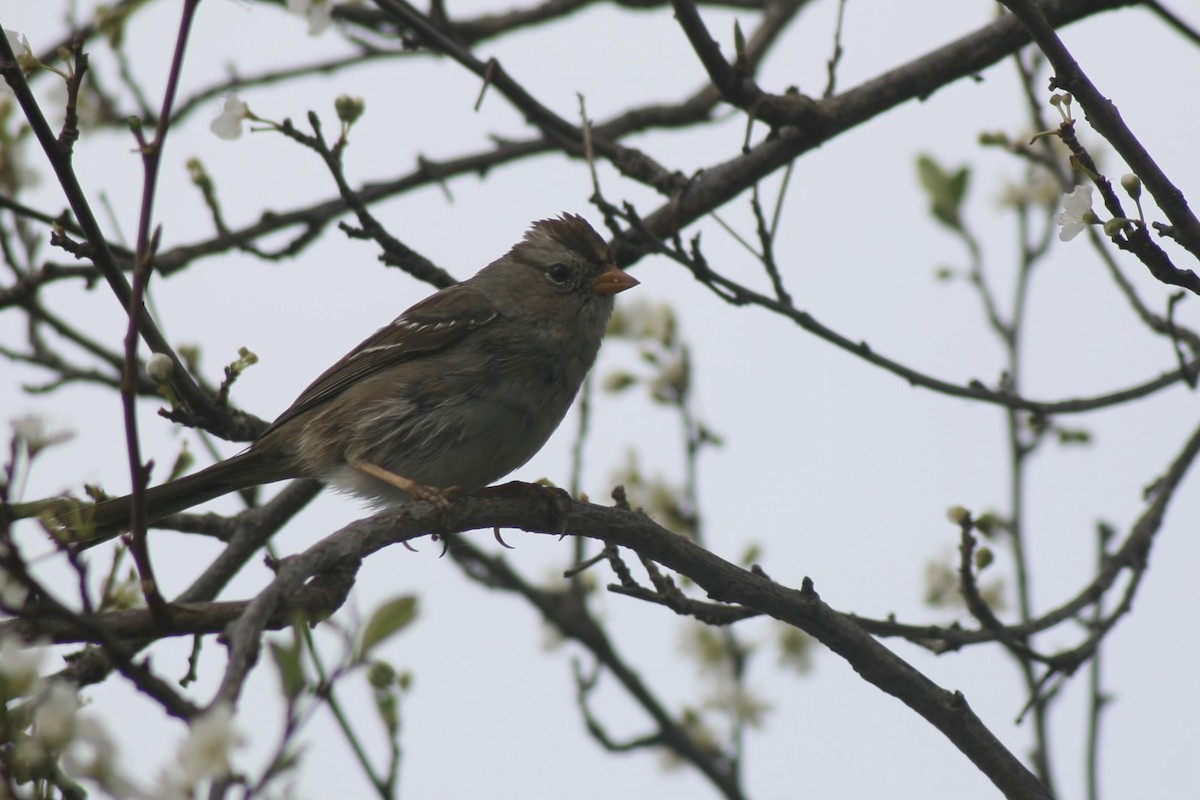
(441,498)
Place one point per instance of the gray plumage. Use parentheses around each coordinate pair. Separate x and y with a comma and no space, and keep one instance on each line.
(458,391)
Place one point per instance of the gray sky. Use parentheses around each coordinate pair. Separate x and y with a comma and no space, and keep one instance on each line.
(840,472)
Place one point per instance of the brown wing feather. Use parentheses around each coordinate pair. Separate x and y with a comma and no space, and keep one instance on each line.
(432,325)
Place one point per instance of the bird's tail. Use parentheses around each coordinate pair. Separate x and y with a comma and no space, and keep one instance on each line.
(91,525)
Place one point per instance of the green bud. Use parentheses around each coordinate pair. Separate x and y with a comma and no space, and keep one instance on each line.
(958,515)
(381,674)
(988,523)
(1061,101)
(1115,226)
(197,174)
(348,108)
(983,557)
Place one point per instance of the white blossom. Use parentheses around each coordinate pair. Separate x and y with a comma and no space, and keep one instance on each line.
(54,717)
(645,320)
(12,591)
(319,14)
(1040,190)
(20,47)
(93,755)
(36,433)
(1076,214)
(18,43)
(228,124)
(19,668)
(205,752)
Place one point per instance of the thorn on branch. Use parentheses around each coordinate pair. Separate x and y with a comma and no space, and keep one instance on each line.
(489,72)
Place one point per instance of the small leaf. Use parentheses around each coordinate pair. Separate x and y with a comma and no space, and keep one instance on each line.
(708,436)
(389,619)
(183,462)
(1078,436)
(291,672)
(388,709)
(795,650)
(946,190)
(615,382)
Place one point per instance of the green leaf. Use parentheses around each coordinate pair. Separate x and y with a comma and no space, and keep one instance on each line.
(615,382)
(1069,436)
(291,671)
(389,619)
(795,650)
(752,554)
(946,190)
(388,707)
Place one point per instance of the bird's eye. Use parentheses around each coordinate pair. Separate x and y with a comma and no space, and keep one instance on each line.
(559,274)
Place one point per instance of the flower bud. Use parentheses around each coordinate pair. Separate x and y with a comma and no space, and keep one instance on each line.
(1132,184)
(983,558)
(159,367)
(381,674)
(958,515)
(348,108)
(1115,226)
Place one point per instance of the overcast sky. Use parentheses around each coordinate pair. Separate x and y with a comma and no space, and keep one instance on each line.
(840,472)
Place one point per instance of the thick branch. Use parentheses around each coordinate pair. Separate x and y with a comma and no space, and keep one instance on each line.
(526,507)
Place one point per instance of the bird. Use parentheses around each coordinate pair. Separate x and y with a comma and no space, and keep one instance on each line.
(455,393)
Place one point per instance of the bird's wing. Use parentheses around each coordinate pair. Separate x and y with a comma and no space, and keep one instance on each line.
(436,323)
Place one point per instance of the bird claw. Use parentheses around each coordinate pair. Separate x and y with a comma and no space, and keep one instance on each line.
(442,498)
(496,533)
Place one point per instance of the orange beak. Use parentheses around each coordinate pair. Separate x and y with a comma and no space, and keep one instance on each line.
(613,280)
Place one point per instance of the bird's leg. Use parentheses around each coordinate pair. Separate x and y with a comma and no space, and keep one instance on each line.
(418,491)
